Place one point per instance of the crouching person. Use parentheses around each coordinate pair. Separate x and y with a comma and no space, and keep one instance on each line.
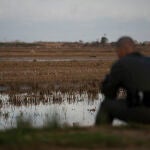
(132,74)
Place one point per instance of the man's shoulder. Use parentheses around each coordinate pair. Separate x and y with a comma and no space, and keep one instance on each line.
(132,62)
(127,60)
(133,57)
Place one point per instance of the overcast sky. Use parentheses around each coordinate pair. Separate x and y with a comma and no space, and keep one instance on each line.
(73,20)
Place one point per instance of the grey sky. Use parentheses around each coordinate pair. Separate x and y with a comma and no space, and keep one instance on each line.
(71,20)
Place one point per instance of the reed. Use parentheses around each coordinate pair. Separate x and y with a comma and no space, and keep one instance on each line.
(53,75)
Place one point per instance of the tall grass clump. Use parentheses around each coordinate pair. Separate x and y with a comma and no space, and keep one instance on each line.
(23,123)
(52,123)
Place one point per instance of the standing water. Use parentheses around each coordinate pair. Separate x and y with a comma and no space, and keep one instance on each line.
(74,109)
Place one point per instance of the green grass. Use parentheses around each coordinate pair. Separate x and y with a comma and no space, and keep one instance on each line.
(52,135)
(68,137)
(103,137)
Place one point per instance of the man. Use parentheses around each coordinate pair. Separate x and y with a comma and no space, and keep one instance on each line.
(132,74)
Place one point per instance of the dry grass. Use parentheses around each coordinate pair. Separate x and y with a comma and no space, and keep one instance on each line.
(53,73)
(81,75)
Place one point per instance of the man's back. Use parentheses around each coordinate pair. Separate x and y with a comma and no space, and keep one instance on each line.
(132,73)
(137,67)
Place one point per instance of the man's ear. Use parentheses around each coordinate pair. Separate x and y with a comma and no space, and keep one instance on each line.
(128,48)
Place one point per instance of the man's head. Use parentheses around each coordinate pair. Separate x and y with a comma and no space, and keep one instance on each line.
(125,46)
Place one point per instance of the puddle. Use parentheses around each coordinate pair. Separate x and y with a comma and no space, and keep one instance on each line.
(76,109)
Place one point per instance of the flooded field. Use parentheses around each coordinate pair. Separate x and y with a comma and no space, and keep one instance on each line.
(42,83)
(47,59)
(76,109)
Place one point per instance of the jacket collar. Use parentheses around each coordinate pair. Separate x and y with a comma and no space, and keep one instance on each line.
(135,54)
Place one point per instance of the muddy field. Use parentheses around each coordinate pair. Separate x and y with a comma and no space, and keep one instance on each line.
(37,81)
(55,66)
(46,83)
(53,78)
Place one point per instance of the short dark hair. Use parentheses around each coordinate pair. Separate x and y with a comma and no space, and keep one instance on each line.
(125,40)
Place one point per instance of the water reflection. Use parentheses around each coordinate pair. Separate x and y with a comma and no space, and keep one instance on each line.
(68,108)
(49,59)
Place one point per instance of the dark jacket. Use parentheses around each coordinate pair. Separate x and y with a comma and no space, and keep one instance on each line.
(132,73)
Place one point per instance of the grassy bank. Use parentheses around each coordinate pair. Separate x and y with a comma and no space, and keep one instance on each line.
(87,138)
